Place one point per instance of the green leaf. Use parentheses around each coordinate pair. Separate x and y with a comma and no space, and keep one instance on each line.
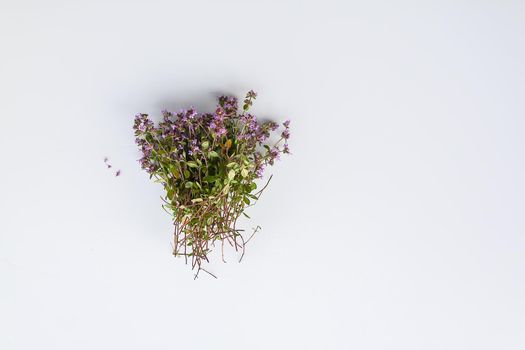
(188,184)
(231,174)
(213,154)
(210,178)
(205,145)
(231,164)
(174,171)
(192,164)
(244,172)
(246,200)
(196,200)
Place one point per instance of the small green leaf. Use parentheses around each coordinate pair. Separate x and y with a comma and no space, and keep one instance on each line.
(246,200)
(231,174)
(196,200)
(244,172)
(205,145)
(231,164)
(213,154)
(188,184)
(192,164)
(210,178)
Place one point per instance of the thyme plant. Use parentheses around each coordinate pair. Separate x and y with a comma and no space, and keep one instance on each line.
(209,164)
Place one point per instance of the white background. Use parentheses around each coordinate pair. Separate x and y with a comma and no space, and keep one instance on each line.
(398,223)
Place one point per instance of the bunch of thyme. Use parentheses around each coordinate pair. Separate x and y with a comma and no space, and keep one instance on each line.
(208,164)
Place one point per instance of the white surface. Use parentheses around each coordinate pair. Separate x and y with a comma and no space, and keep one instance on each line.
(397,224)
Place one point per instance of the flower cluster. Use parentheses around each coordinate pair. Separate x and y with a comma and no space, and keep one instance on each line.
(209,163)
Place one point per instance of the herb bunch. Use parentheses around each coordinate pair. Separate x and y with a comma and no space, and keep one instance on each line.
(209,164)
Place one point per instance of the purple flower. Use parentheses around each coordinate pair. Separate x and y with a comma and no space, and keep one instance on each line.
(259,171)
(273,155)
(166,114)
(181,135)
(221,131)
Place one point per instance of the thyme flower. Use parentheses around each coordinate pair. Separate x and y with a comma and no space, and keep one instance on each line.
(208,164)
